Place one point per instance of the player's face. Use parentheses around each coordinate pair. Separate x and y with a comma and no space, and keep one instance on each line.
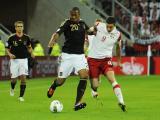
(74,15)
(110,27)
(19,27)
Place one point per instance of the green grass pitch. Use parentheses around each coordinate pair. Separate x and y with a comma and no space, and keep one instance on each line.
(141,94)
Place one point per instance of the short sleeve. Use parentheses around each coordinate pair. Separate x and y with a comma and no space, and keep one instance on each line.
(8,43)
(62,27)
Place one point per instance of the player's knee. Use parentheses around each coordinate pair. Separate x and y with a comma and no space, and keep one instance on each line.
(13,80)
(23,82)
(84,76)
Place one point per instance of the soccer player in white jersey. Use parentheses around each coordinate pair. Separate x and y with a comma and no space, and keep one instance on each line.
(89,38)
(100,57)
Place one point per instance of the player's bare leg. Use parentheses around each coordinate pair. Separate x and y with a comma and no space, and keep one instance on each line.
(116,88)
(22,87)
(81,89)
(94,85)
(13,84)
(57,82)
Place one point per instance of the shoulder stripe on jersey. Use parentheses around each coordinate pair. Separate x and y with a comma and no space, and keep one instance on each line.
(64,22)
(26,35)
(12,35)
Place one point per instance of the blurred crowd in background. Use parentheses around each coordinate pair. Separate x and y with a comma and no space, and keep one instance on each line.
(146,22)
(146,15)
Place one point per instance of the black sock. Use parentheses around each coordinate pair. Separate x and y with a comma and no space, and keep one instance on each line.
(80,90)
(54,85)
(22,90)
(94,89)
(13,84)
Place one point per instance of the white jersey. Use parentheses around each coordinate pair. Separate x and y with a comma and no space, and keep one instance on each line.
(103,42)
(90,39)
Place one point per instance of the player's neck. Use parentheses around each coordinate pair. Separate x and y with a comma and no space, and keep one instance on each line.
(75,21)
(19,34)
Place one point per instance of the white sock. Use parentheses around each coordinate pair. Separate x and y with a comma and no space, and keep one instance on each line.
(117,91)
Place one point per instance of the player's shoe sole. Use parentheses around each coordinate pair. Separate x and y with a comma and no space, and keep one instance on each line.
(123,107)
(50,92)
(80,106)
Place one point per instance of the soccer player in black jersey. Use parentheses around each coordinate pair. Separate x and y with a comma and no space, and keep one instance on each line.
(17,47)
(72,57)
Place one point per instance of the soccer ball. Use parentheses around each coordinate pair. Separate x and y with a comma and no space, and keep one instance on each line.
(56,106)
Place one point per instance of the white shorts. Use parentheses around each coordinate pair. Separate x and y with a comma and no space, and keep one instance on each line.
(18,67)
(70,62)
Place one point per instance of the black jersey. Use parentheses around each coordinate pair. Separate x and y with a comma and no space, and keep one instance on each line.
(18,45)
(74,33)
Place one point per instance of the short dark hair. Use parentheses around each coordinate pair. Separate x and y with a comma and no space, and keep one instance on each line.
(111,20)
(75,9)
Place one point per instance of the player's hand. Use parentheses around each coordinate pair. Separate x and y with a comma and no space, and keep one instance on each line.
(12,56)
(32,56)
(51,43)
(53,39)
(49,50)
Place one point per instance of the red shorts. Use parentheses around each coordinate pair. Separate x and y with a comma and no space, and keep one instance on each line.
(99,66)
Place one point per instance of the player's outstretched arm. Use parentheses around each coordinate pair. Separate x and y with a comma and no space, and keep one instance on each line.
(56,35)
(92,30)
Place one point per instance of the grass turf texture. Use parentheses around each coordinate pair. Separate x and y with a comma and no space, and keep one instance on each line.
(141,94)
